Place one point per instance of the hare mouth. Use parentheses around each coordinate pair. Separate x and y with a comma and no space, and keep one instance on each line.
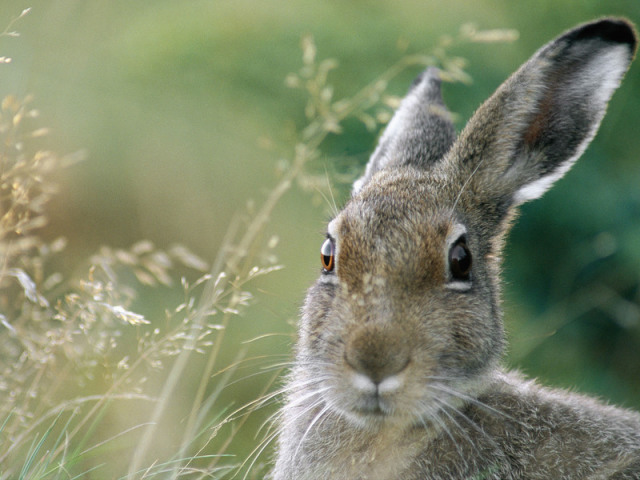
(369,411)
(394,401)
(372,407)
(366,401)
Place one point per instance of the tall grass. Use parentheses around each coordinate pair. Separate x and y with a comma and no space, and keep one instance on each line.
(87,383)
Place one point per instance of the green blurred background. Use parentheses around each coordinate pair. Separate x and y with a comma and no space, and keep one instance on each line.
(183,111)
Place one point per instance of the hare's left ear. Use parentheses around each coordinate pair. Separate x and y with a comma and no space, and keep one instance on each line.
(420,132)
(530,132)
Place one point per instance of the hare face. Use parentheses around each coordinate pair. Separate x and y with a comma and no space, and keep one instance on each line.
(405,320)
(408,295)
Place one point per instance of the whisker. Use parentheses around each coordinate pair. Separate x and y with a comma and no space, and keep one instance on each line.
(255,453)
(464,185)
(271,422)
(293,387)
(434,418)
(301,401)
(311,424)
(444,406)
(252,375)
(331,202)
(280,413)
(474,401)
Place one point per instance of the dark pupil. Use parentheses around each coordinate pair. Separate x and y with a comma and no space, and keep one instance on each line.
(326,255)
(460,261)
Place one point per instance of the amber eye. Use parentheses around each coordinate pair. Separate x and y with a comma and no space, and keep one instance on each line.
(327,255)
(460,260)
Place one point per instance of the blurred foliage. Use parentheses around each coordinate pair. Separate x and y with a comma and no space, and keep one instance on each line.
(186,115)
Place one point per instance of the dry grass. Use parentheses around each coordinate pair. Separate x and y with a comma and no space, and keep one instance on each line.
(72,349)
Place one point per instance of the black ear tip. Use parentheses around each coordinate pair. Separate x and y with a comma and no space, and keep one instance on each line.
(610,30)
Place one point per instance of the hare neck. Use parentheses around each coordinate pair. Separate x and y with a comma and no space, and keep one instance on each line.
(335,448)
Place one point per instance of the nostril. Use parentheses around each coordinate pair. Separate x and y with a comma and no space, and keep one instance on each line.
(376,359)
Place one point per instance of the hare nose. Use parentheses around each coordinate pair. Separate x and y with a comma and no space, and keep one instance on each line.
(376,354)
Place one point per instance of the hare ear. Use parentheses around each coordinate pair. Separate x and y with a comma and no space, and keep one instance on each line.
(420,132)
(530,132)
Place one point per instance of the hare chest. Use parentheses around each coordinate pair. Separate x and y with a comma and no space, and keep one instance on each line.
(379,456)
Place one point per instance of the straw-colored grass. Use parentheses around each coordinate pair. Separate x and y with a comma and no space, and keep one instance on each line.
(73,350)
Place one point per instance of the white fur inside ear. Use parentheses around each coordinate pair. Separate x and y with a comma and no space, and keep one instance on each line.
(605,70)
(601,76)
(536,189)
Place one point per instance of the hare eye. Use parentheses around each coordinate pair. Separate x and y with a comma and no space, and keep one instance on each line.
(327,255)
(460,260)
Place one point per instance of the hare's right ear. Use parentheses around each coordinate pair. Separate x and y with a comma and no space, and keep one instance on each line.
(420,132)
(530,132)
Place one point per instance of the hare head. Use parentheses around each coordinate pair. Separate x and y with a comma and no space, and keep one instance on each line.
(405,317)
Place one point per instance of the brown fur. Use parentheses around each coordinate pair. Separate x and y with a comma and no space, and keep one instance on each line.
(397,372)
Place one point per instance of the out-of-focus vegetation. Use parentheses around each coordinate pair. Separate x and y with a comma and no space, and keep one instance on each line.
(188,122)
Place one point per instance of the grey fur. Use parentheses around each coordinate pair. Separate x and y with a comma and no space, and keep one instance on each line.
(397,372)
(420,133)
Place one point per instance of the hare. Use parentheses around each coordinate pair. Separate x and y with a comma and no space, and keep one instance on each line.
(398,373)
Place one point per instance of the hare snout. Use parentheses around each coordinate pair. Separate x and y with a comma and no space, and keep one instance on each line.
(388,385)
(376,353)
(376,361)
(375,398)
